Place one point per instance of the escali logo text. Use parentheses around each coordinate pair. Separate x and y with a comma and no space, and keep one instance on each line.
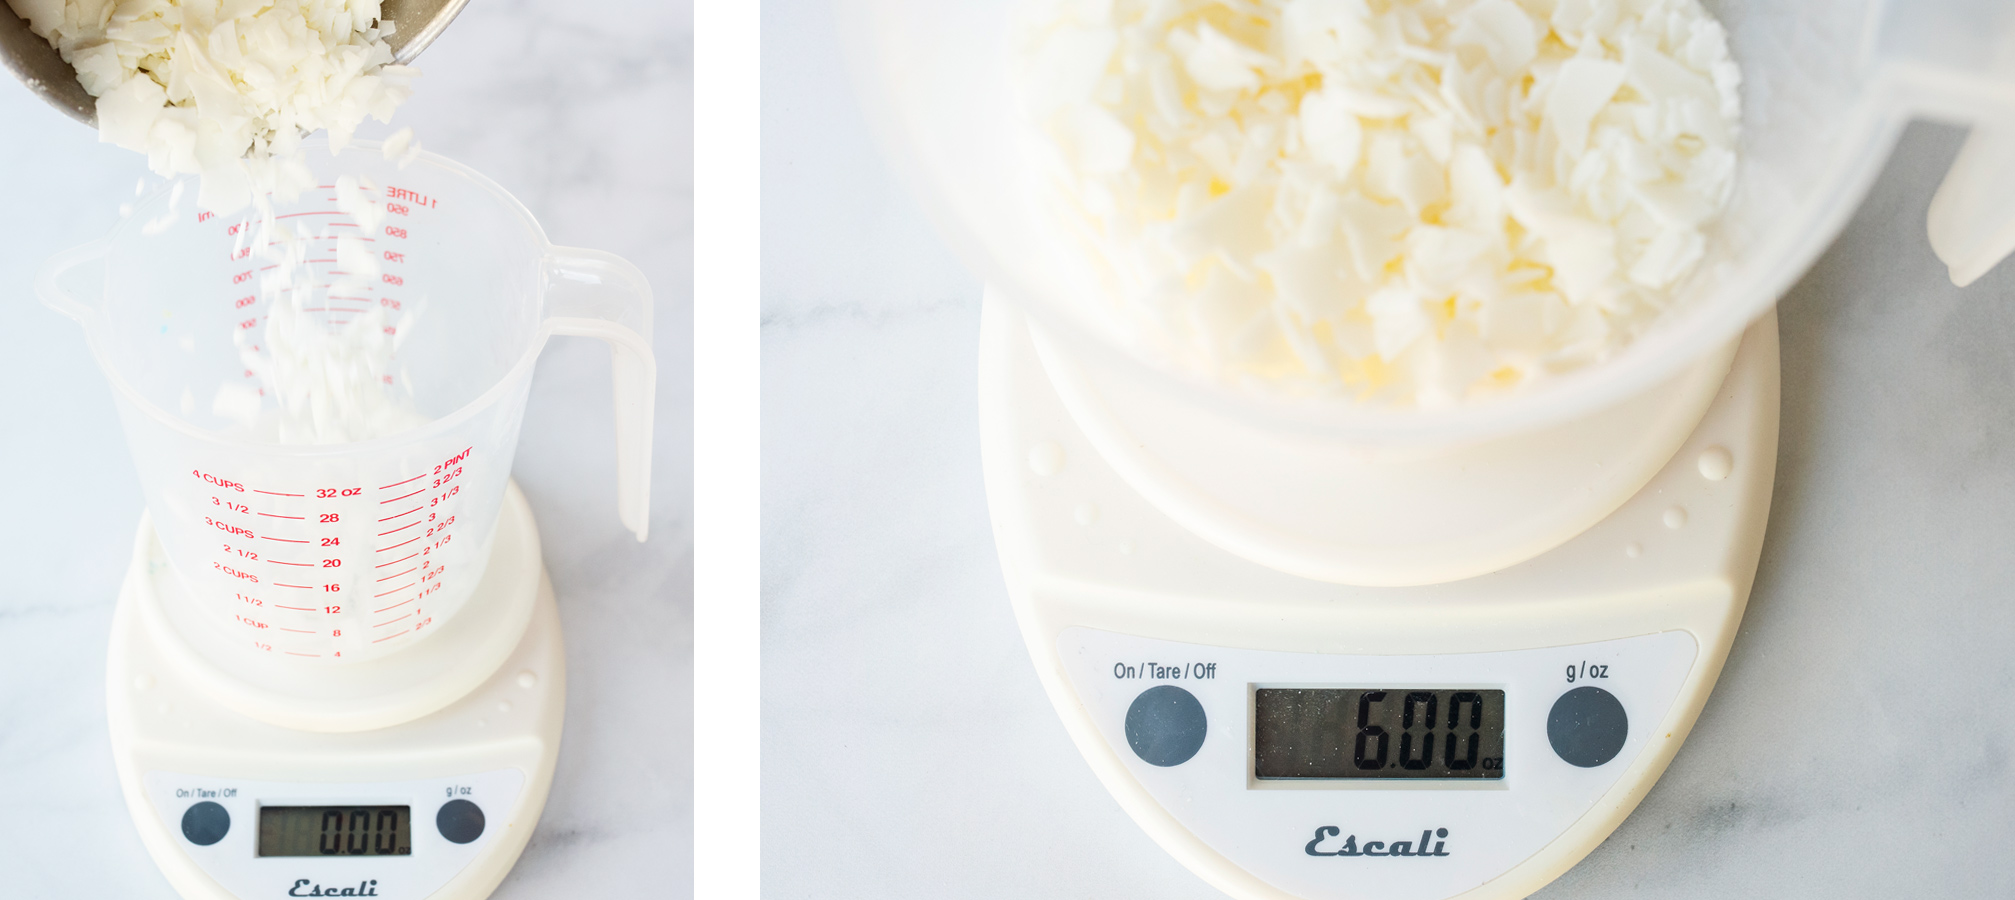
(305,888)
(1377,848)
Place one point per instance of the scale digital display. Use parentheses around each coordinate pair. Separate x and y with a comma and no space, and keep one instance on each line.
(1378,733)
(335,831)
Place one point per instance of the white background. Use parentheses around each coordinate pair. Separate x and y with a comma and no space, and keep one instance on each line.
(1858,744)
(584,112)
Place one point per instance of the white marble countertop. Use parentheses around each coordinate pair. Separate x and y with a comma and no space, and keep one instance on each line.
(584,112)
(1858,743)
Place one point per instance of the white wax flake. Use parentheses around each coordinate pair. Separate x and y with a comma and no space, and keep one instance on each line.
(1503,31)
(356,259)
(1579,91)
(1218,63)
(401,148)
(235,401)
(1398,319)
(1411,202)
(354,197)
(226,88)
(166,219)
(1331,130)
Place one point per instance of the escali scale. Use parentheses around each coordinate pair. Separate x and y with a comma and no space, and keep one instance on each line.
(1472,728)
(232,803)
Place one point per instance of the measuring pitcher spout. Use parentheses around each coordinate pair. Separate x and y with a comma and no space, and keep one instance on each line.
(345,546)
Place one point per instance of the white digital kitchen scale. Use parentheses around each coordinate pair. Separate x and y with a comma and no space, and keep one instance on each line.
(1471,730)
(417,775)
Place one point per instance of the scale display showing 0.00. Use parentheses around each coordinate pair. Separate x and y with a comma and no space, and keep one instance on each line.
(1378,733)
(335,831)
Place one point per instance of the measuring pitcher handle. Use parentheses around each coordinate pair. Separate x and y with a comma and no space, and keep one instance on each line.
(49,279)
(594,294)
(1942,60)
(1972,217)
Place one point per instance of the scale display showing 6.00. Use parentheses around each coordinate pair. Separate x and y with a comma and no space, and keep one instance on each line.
(1378,733)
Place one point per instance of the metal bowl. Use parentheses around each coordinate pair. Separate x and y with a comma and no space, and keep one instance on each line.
(43,70)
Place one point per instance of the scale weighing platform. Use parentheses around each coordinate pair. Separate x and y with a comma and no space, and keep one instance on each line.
(1285,737)
(425,785)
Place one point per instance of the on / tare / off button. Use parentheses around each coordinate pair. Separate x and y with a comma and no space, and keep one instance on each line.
(206,823)
(1165,725)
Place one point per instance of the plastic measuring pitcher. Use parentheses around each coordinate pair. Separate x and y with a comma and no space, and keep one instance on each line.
(1826,88)
(348,551)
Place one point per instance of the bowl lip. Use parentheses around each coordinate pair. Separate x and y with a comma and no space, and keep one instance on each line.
(434,429)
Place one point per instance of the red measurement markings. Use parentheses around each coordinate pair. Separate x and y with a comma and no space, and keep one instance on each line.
(391,636)
(398,529)
(281,540)
(297,608)
(278,516)
(396,561)
(394,590)
(408,571)
(276,493)
(394,606)
(415,197)
(407,481)
(402,496)
(406,513)
(400,544)
(292,653)
(301,586)
(300,630)
(391,621)
(278,562)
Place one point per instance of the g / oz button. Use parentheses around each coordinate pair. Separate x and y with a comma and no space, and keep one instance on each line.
(1587,727)
(460,821)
